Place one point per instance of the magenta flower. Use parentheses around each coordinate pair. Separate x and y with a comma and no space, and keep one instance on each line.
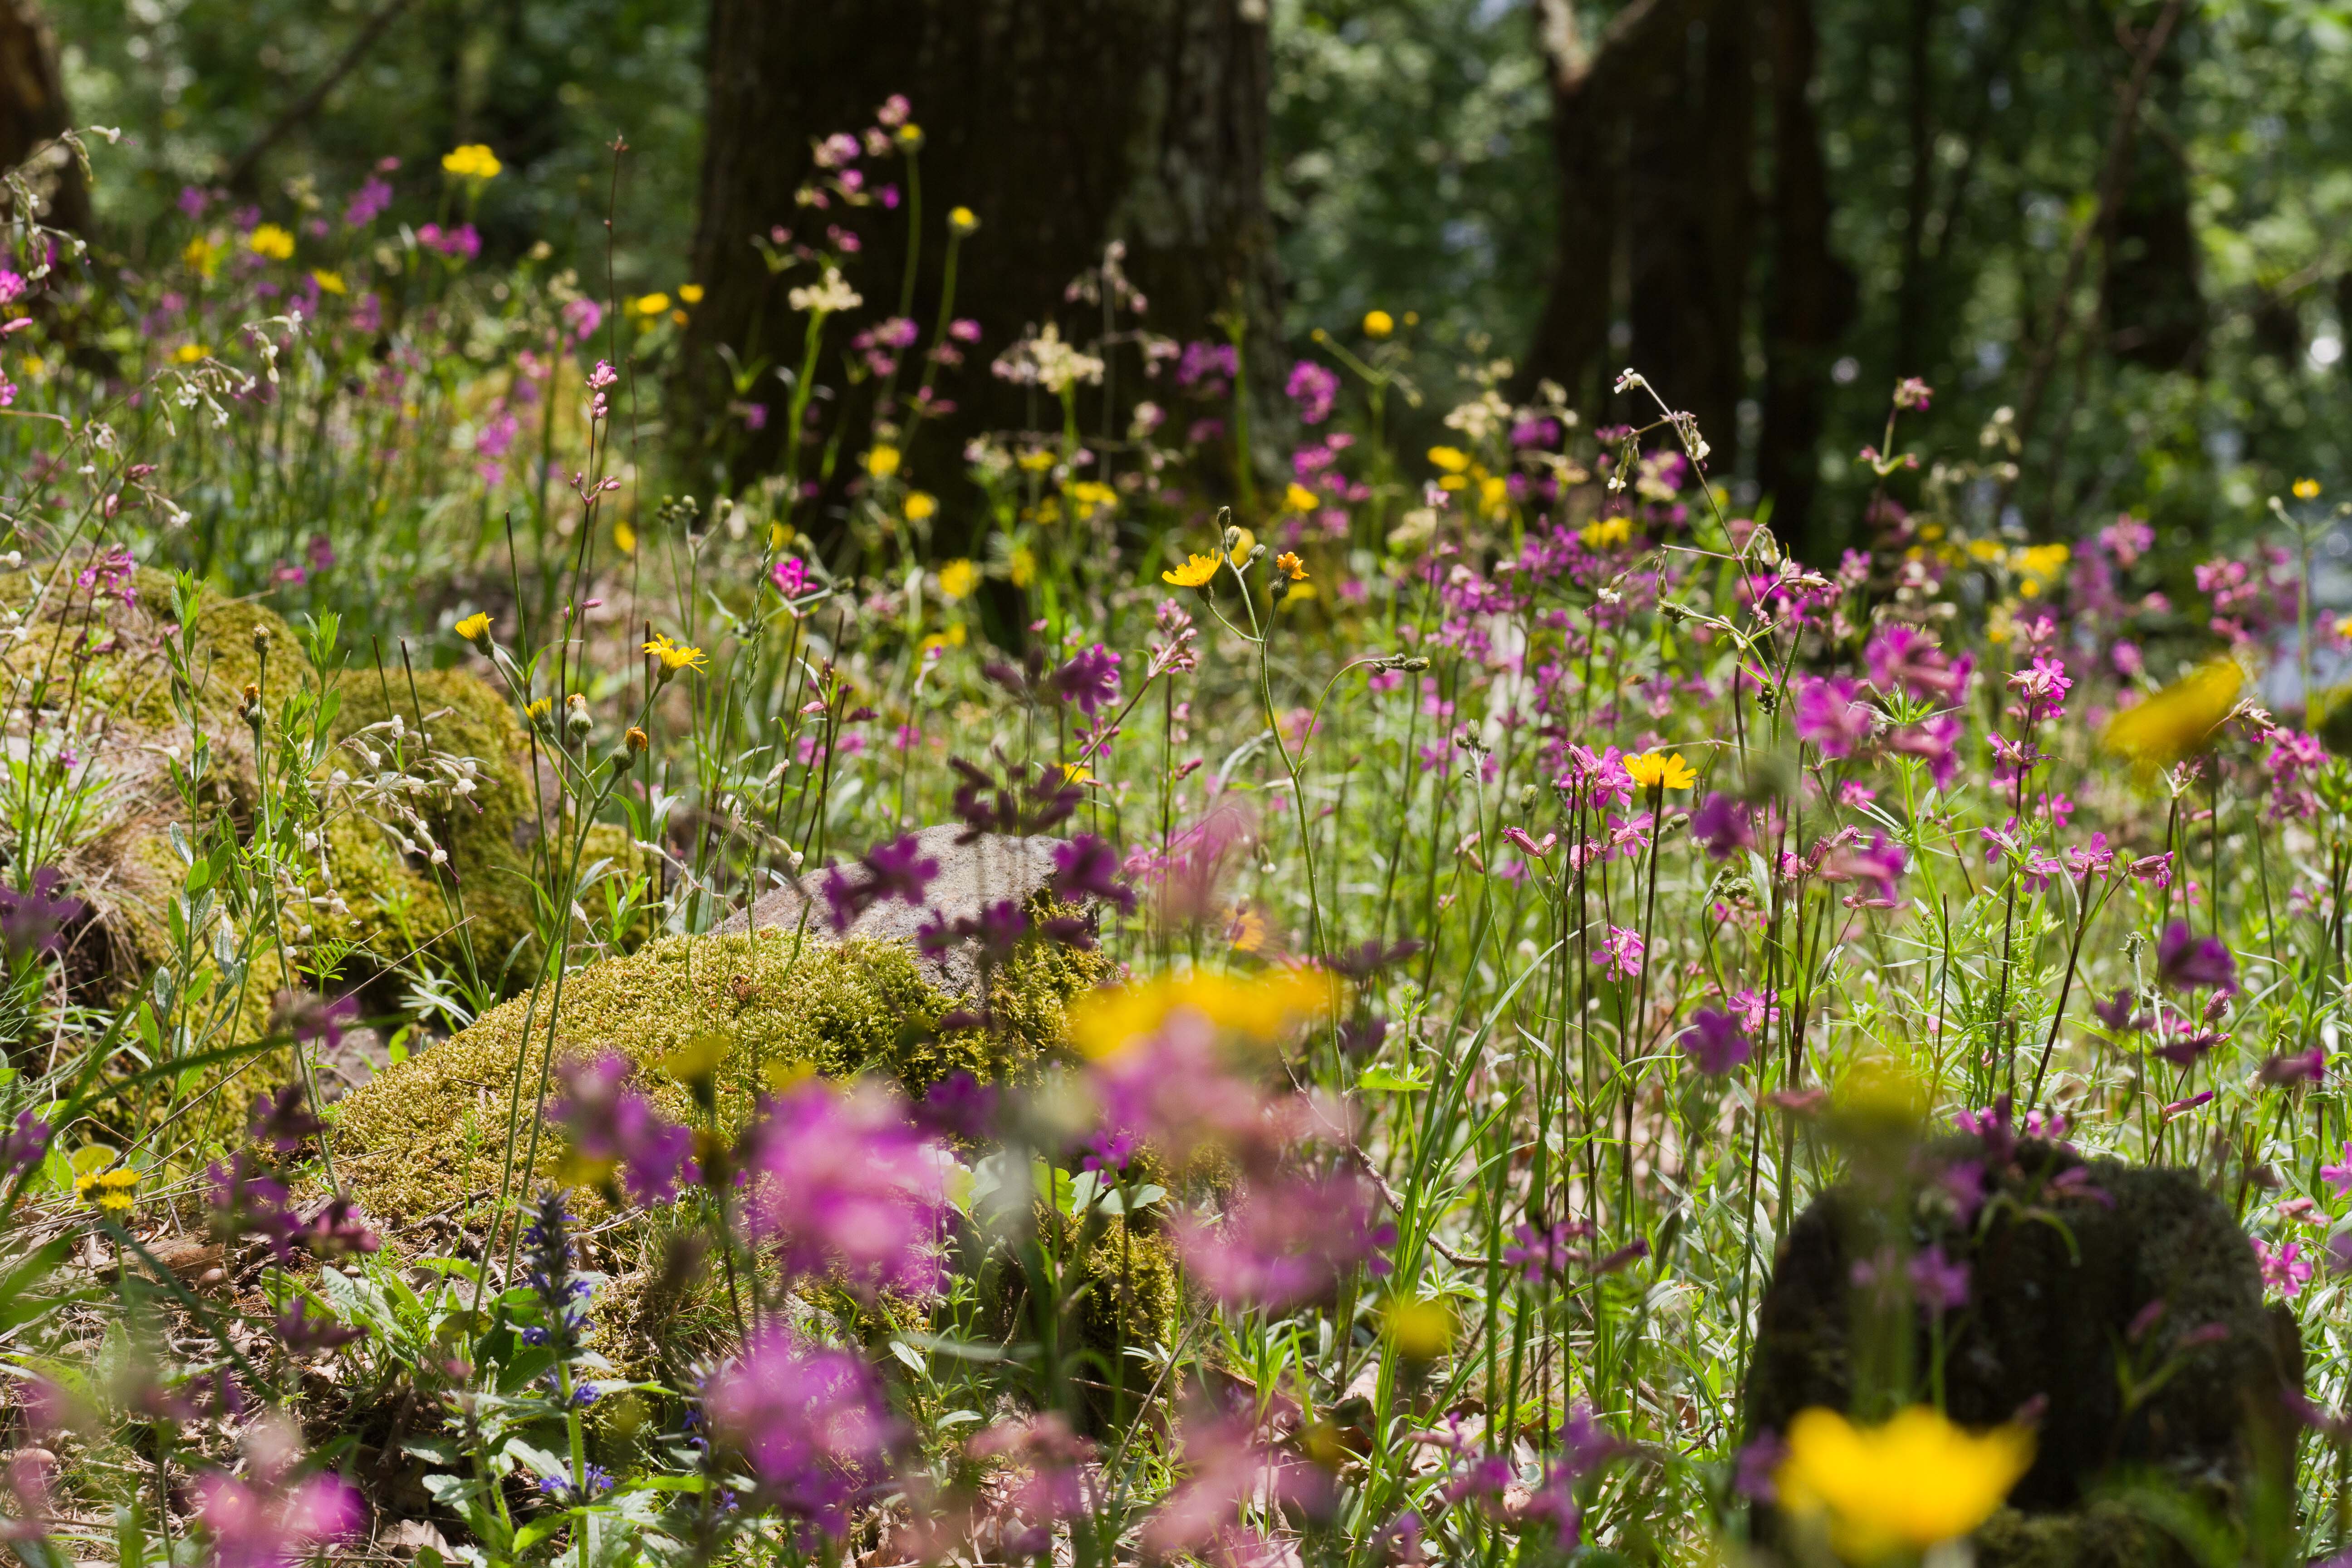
(1938,1283)
(1620,952)
(842,1180)
(1312,388)
(24,1145)
(2287,1069)
(582,316)
(1714,1043)
(1830,714)
(1906,658)
(260,1524)
(2284,1270)
(1537,1252)
(1880,865)
(615,1130)
(2339,1176)
(1721,827)
(810,1422)
(2185,961)
(368,201)
(2116,1015)
(1288,1241)
(279,1123)
(1090,680)
(1087,866)
(34,920)
(894,869)
(789,576)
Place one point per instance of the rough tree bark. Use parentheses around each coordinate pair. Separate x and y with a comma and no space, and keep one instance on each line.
(1061,124)
(33,110)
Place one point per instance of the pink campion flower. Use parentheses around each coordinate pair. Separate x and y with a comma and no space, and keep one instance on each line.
(1715,1042)
(2185,961)
(1600,776)
(1935,741)
(789,576)
(2127,539)
(1229,1469)
(12,286)
(1176,1089)
(582,317)
(496,436)
(810,1422)
(614,1130)
(2289,1070)
(2284,1269)
(1288,1240)
(1721,827)
(841,1179)
(272,1519)
(1831,715)
(1880,865)
(2339,1176)
(2042,688)
(1621,953)
(1938,1284)
(1313,388)
(373,196)
(1549,1250)
(1905,659)
(1911,393)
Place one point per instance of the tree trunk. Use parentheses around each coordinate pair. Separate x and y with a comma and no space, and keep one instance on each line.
(1809,294)
(1063,125)
(32,111)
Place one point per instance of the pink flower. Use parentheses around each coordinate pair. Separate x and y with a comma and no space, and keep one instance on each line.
(616,1129)
(2283,1268)
(1831,715)
(2339,1176)
(1288,1241)
(582,316)
(1312,388)
(842,1179)
(789,576)
(273,1520)
(810,1422)
(1621,953)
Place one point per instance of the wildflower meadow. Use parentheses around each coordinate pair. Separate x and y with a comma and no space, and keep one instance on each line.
(1354,964)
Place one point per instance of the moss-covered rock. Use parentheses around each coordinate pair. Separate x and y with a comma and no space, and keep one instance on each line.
(2081,1275)
(432,1131)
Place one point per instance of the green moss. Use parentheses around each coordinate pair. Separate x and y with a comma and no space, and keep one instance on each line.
(780,1002)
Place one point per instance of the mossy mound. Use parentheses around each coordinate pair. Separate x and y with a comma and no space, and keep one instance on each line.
(2070,1275)
(430,1133)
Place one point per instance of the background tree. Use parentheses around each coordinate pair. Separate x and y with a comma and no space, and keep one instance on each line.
(1062,128)
(33,110)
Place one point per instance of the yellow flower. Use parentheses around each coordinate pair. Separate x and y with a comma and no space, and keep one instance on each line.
(476,626)
(1291,566)
(962,220)
(1035,461)
(472,161)
(1606,531)
(1916,1482)
(941,641)
(538,710)
(201,256)
(1092,495)
(882,462)
(650,304)
(189,353)
(1298,499)
(1493,491)
(911,134)
(673,656)
(1077,774)
(111,1193)
(956,579)
(328,282)
(920,506)
(1195,572)
(1378,324)
(1257,1007)
(1420,1329)
(1665,768)
(1452,460)
(691,293)
(2158,732)
(624,537)
(2306,489)
(1023,566)
(271,241)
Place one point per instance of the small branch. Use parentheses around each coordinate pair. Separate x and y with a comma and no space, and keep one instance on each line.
(241,170)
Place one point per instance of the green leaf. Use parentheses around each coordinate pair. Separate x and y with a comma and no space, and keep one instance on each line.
(1383,1080)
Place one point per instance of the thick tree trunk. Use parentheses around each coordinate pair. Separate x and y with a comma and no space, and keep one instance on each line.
(1061,124)
(32,111)
(1809,294)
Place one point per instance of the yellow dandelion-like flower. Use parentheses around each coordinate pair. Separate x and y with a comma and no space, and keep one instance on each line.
(471,162)
(1660,768)
(691,293)
(1452,460)
(1916,1482)
(111,1193)
(189,353)
(271,241)
(474,628)
(1257,1007)
(882,461)
(650,305)
(1291,566)
(538,710)
(920,506)
(1196,573)
(328,282)
(1422,1330)
(201,257)
(1092,495)
(1022,568)
(2306,489)
(962,221)
(2158,732)
(957,577)
(1608,531)
(673,656)
(1299,498)
(1378,324)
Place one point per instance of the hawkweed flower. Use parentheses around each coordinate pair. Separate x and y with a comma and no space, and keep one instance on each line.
(474,628)
(1197,571)
(1291,567)
(1660,769)
(616,1133)
(809,1421)
(1915,1482)
(842,1179)
(2159,731)
(473,162)
(673,657)
(114,1192)
(1378,324)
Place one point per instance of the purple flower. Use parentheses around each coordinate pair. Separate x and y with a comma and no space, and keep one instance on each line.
(1880,864)
(1091,679)
(1313,388)
(33,921)
(844,1180)
(789,576)
(305,1334)
(1721,827)
(2339,1176)
(1620,952)
(241,1202)
(2185,961)
(2284,1270)
(1552,1250)
(263,1524)
(1714,1043)
(194,200)
(337,1227)
(614,1130)
(894,869)
(2289,1068)
(1753,1475)
(1087,866)
(1830,714)
(1288,1241)
(810,1422)
(1938,1283)
(368,201)
(280,1121)
(1109,1151)
(2116,1015)
(1907,658)
(24,1145)
(582,316)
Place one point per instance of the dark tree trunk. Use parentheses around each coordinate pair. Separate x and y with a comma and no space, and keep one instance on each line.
(32,111)
(1061,124)
(2151,294)
(1809,294)
(1653,136)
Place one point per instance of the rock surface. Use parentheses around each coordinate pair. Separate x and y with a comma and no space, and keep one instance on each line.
(972,877)
(2059,1280)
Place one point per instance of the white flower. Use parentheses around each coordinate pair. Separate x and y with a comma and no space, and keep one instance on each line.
(829,296)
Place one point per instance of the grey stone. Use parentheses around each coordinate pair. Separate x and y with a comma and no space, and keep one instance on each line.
(971,878)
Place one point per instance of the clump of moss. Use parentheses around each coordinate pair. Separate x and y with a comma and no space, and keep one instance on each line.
(431,1131)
